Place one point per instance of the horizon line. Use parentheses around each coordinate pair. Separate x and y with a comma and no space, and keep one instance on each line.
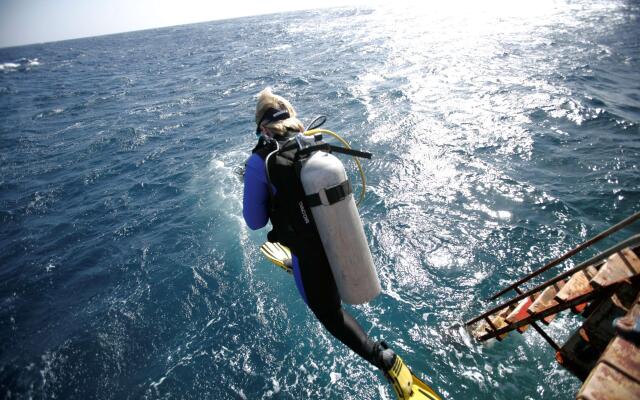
(180,24)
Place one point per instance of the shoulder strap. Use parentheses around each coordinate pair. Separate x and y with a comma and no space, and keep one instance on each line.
(331,148)
(263,147)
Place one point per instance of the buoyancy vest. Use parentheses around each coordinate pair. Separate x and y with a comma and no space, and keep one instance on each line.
(290,216)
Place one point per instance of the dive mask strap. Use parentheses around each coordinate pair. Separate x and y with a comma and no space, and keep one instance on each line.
(272,115)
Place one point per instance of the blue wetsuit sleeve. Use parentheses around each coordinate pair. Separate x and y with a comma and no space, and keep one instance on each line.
(255,201)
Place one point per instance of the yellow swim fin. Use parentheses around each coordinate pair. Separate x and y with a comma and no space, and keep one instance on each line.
(408,386)
(278,254)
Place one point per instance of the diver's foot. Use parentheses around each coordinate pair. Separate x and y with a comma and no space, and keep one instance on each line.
(384,356)
(401,378)
(394,370)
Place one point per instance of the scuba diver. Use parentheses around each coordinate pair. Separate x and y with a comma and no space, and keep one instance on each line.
(278,176)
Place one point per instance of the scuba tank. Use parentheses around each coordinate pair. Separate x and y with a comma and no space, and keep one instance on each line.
(334,210)
(325,191)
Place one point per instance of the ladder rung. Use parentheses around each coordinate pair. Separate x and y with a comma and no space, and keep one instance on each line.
(520,311)
(577,285)
(498,321)
(546,300)
(618,267)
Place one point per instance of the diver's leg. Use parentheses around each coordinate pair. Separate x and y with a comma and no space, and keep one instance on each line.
(318,288)
(346,329)
(319,291)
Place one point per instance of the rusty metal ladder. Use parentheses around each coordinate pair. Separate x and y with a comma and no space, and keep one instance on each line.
(595,278)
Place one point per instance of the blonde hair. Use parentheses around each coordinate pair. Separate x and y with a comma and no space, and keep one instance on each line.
(267,100)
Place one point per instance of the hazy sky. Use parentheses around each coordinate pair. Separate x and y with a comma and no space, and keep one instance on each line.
(33,21)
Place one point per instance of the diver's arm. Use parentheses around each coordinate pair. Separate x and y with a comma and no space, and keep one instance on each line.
(255,201)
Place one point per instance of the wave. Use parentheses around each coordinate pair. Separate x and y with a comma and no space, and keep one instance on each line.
(9,65)
(22,64)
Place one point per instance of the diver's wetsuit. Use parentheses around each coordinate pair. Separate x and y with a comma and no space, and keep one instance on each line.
(314,280)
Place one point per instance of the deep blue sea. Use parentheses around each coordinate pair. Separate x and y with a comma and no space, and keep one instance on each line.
(503,135)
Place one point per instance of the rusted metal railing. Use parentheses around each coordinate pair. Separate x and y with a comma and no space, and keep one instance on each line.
(622,224)
(633,241)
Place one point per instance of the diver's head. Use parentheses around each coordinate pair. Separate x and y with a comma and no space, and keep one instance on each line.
(275,115)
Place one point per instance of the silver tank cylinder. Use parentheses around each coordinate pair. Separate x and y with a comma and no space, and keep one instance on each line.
(341,231)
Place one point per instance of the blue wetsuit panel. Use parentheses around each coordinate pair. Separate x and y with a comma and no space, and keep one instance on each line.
(298,278)
(255,202)
(255,206)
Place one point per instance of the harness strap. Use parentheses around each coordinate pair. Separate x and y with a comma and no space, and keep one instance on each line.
(331,148)
(331,195)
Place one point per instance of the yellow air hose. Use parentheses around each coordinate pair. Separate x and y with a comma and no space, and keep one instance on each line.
(346,146)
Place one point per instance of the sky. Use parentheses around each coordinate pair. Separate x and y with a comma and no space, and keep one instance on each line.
(37,21)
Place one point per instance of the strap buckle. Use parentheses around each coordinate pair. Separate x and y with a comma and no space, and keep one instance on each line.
(330,195)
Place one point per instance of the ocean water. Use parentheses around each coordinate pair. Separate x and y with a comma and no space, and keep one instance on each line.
(502,136)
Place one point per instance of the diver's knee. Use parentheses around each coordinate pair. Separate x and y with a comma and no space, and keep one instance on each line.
(329,317)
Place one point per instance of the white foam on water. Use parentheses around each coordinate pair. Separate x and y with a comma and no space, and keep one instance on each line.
(158,383)
(7,66)
(23,63)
